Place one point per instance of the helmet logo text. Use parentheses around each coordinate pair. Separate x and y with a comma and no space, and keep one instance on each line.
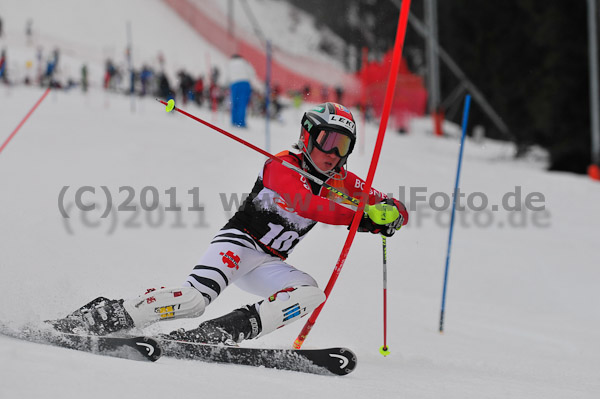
(340,120)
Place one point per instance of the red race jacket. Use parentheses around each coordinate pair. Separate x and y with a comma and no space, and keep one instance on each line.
(284,205)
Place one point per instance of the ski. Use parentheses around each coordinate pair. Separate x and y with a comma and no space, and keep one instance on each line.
(327,361)
(336,361)
(134,348)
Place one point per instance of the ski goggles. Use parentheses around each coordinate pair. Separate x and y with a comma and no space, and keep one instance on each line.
(330,141)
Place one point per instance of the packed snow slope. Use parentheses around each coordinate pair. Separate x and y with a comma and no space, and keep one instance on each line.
(521,314)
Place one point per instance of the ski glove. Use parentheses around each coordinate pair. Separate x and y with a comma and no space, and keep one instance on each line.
(384,218)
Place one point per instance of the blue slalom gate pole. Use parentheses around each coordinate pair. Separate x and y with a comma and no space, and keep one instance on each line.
(460,156)
(267,98)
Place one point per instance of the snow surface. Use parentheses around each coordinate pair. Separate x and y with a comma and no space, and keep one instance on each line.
(522,314)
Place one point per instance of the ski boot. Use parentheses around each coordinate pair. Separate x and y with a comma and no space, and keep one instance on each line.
(105,316)
(251,321)
(99,317)
(230,329)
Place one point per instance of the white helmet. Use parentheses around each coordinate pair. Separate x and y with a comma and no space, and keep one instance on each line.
(329,127)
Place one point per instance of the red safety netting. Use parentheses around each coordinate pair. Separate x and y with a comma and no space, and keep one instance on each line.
(294,73)
(410,97)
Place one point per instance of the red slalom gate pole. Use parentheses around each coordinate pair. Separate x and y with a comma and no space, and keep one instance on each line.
(387,105)
(24,120)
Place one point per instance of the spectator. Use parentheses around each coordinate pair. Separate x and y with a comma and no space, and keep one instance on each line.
(214,94)
(306,92)
(56,55)
(324,93)
(28,66)
(240,74)
(214,75)
(145,76)
(186,84)
(164,88)
(84,78)
(49,71)
(199,90)
(339,94)
(109,73)
(296,98)
(276,102)
(40,67)
(3,66)
(51,66)
(133,75)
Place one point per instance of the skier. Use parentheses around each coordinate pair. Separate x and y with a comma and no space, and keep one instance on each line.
(251,249)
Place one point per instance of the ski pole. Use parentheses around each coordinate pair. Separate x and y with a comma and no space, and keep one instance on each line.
(460,156)
(170,107)
(384,350)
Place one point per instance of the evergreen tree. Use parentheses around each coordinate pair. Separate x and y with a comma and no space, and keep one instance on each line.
(528,57)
